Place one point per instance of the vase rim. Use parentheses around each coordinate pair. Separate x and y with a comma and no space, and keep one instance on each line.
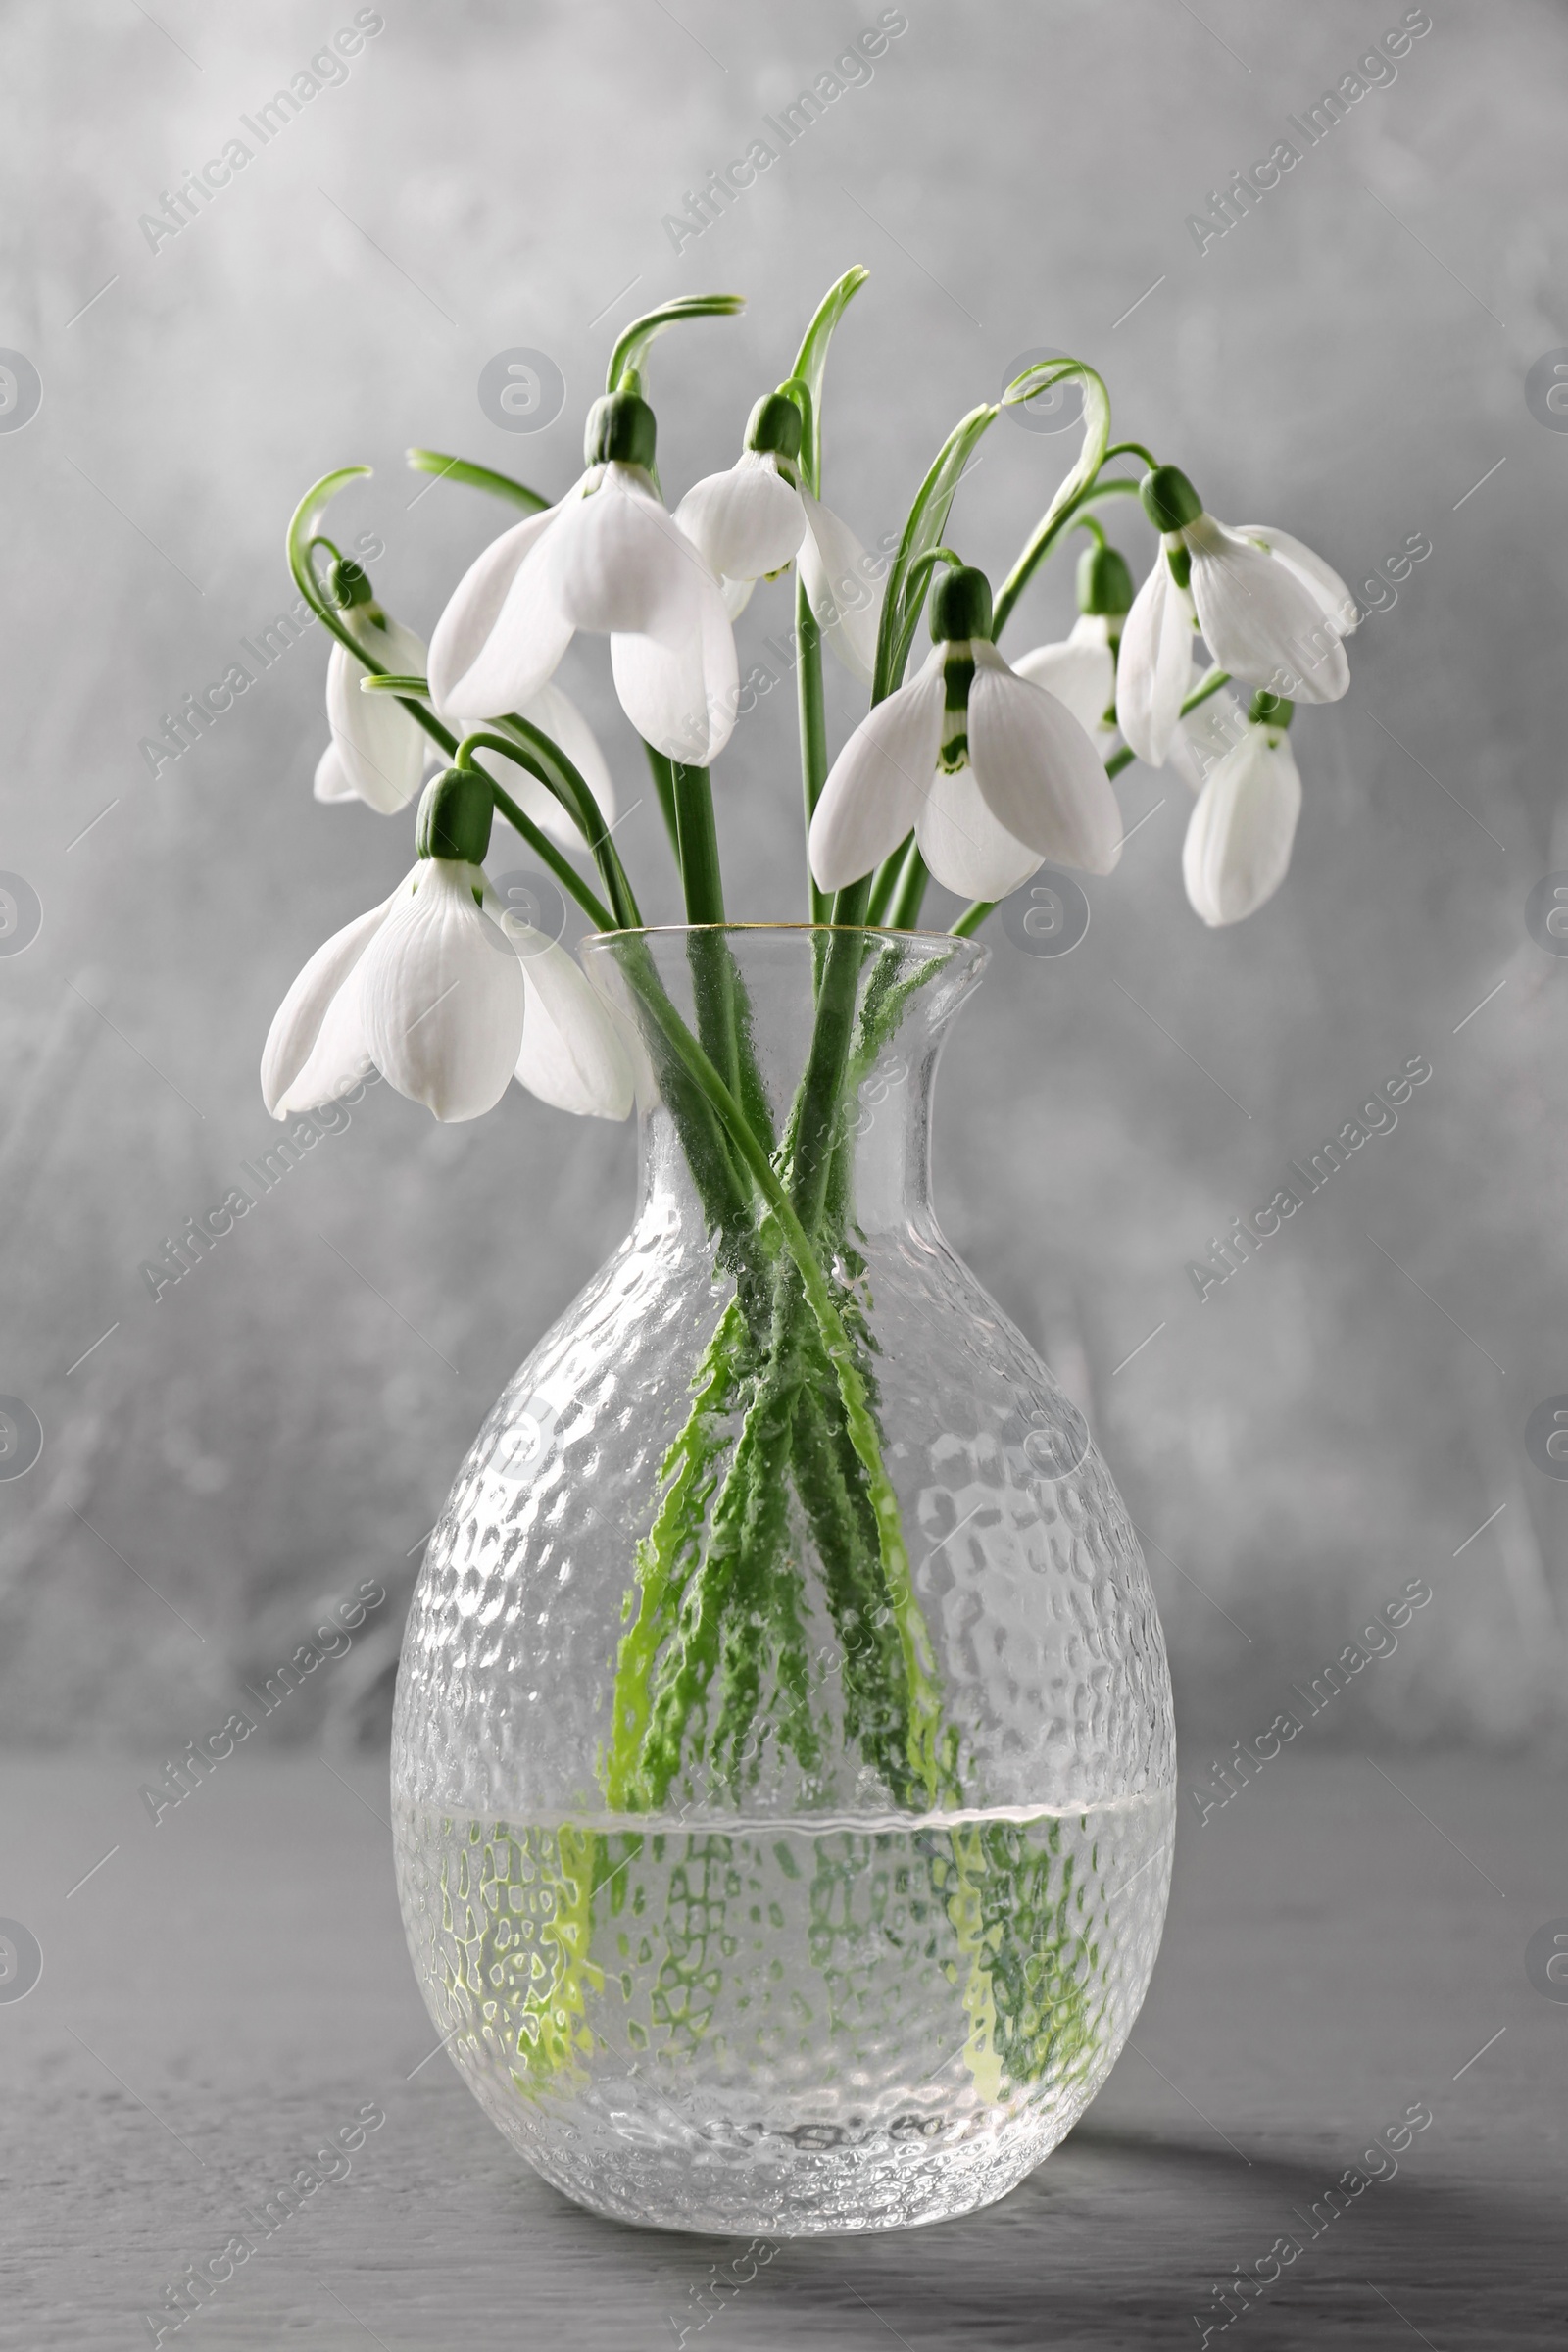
(977,951)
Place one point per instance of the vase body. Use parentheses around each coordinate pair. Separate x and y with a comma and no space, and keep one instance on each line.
(783,1764)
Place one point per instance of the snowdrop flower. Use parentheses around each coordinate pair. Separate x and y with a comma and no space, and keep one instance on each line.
(993,773)
(1081,671)
(1271,613)
(377,752)
(750,522)
(430,989)
(1239,838)
(609,558)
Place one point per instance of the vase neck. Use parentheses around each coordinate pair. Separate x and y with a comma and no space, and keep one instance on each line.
(829,1040)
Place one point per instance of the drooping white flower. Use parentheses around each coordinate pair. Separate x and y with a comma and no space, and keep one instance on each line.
(430,988)
(609,558)
(377,752)
(841,583)
(750,522)
(992,772)
(1239,837)
(1271,611)
(425,989)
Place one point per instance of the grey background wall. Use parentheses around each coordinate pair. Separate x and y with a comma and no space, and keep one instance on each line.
(1350,361)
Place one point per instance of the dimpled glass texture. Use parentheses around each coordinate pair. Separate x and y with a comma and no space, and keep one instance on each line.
(779,1989)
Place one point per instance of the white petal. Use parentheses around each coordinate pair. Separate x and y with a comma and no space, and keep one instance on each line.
(332,777)
(442,996)
(339,1058)
(737,595)
(1239,836)
(843,593)
(964,846)
(618,563)
(1261,620)
(680,685)
(879,781)
(571,1053)
(297,1023)
(1081,672)
(1153,664)
(748,521)
(1334,598)
(492,651)
(380,747)
(1037,771)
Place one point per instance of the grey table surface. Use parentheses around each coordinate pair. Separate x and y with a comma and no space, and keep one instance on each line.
(224,1990)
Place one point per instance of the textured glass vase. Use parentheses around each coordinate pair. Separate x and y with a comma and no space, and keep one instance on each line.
(783,1765)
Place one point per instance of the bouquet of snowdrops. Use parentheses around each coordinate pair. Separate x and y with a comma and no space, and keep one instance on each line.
(975,770)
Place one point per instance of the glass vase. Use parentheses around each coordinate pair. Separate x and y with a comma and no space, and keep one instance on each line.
(783,1764)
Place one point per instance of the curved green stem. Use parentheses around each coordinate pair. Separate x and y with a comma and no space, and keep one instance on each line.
(1069,492)
(1069,516)
(560,866)
(811,362)
(921,569)
(633,345)
(1129,449)
(477,477)
(301,537)
(970,921)
(927,520)
(483,739)
(549,762)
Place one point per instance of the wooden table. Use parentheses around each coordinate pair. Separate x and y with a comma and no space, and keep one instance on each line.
(228,1989)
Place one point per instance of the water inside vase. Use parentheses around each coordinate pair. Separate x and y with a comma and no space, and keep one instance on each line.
(793,2026)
